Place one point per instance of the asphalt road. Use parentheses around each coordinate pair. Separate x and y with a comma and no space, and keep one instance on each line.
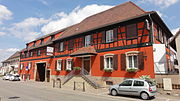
(21,91)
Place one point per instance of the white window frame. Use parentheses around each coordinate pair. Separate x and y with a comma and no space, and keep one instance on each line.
(106,56)
(31,54)
(61,46)
(21,67)
(39,53)
(68,64)
(29,65)
(109,36)
(59,65)
(87,40)
(131,53)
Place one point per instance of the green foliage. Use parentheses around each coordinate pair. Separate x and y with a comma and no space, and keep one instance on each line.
(108,69)
(76,68)
(131,70)
(147,77)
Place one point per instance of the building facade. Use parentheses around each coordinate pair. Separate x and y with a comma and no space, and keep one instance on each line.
(11,64)
(109,46)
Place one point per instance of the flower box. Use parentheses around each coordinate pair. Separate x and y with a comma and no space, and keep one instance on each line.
(131,70)
(68,69)
(76,68)
(108,69)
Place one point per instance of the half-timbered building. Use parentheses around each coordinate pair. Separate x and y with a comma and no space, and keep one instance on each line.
(121,42)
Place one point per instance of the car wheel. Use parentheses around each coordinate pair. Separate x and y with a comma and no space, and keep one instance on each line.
(114,92)
(144,96)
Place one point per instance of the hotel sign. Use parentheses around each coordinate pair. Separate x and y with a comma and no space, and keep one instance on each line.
(49,51)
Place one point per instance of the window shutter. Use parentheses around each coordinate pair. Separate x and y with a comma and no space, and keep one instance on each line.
(103,37)
(115,62)
(141,61)
(131,31)
(123,61)
(92,39)
(56,62)
(83,41)
(115,34)
(72,64)
(101,62)
(64,64)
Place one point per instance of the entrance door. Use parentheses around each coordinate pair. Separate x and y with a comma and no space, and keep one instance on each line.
(40,73)
(86,63)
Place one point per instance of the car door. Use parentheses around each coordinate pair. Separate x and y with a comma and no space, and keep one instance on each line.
(125,87)
(137,87)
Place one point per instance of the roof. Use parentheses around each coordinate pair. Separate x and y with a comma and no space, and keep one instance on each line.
(84,51)
(118,13)
(15,55)
(172,40)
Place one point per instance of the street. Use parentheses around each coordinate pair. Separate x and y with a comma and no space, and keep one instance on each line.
(37,91)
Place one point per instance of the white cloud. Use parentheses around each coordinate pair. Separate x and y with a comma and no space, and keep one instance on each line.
(174,31)
(6,53)
(2,33)
(161,3)
(43,2)
(27,29)
(62,20)
(5,14)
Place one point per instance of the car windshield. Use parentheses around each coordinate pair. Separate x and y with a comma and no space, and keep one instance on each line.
(150,83)
(16,75)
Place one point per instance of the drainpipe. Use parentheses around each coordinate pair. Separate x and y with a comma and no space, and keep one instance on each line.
(152,28)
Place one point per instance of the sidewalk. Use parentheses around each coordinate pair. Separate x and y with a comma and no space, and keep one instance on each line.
(175,94)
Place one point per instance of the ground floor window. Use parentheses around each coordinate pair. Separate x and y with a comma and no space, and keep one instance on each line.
(69,64)
(108,60)
(59,64)
(132,59)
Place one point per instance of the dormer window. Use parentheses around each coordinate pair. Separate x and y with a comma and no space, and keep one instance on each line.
(38,52)
(42,40)
(52,37)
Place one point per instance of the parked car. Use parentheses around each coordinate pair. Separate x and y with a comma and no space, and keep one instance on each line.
(15,77)
(135,87)
(7,76)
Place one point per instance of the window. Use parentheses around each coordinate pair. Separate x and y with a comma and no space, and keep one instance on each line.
(68,64)
(31,54)
(87,40)
(132,59)
(39,52)
(138,83)
(21,67)
(126,83)
(29,65)
(61,45)
(59,62)
(109,36)
(108,60)
(131,31)
(41,42)
(27,54)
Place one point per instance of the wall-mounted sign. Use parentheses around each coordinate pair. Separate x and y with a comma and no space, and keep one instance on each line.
(50,51)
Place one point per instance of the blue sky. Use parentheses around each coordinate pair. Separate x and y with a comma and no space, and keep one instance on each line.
(24,20)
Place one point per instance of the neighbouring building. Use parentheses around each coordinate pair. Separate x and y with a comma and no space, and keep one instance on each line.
(122,42)
(11,64)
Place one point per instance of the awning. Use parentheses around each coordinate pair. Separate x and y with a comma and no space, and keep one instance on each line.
(84,52)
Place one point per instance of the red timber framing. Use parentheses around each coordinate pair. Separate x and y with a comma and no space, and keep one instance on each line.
(110,46)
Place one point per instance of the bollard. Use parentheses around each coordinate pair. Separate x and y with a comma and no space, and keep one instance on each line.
(59,83)
(83,87)
(74,85)
(53,83)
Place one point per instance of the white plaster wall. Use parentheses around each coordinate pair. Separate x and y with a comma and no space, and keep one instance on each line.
(159,52)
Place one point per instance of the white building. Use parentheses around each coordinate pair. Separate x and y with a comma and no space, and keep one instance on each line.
(11,64)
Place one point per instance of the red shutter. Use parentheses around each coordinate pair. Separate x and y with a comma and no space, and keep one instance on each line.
(115,33)
(64,64)
(83,41)
(103,37)
(92,39)
(101,62)
(141,61)
(72,64)
(131,31)
(123,62)
(115,62)
(56,64)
